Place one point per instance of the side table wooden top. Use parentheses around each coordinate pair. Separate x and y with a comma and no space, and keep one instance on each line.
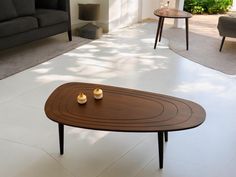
(122,109)
(172,13)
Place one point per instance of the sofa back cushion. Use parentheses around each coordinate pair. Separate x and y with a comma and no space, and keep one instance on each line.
(24,7)
(7,10)
(47,4)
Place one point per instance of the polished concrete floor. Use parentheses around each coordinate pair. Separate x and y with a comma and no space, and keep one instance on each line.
(125,58)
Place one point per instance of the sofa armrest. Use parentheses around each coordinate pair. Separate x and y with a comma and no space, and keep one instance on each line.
(64,5)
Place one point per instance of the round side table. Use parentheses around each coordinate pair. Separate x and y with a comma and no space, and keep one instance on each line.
(171,13)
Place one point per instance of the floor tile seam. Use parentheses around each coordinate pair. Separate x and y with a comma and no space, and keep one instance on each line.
(148,163)
(41,108)
(119,158)
(22,105)
(38,148)
(66,169)
(23,144)
(12,98)
(17,142)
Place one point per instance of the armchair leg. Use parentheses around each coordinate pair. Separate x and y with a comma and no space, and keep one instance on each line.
(69,35)
(222,43)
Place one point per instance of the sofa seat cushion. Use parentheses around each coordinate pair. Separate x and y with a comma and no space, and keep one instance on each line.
(48,17)
(17,25)
(24,7)
(7,10)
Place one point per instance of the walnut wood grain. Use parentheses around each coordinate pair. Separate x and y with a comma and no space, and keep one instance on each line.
(171,13)
(122,109)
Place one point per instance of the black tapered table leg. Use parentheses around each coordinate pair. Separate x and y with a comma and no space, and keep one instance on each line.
(162,24)
(158,31)
(161,147)
(61,137)
(166,136)
(222,43)
(187,32)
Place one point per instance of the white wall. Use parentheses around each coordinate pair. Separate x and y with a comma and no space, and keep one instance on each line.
(104,14)
(148,7)
(103,20)
(179,23)
(123,13)
(126,12)
(118,13)
(74,12)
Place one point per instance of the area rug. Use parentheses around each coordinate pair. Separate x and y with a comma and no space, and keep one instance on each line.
(18,59)
(204,50)
(204,43)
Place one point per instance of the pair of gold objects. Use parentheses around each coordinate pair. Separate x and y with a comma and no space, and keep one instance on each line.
(97,94)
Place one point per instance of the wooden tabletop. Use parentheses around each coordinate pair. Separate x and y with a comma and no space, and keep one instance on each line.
(171,13)
(122,109)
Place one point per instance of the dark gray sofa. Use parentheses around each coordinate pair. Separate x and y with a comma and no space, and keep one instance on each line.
(23,21)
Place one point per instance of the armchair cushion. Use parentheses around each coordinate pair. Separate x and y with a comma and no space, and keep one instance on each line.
(7,10)
(48,17)
(227,26)
(24,7)
(47,4)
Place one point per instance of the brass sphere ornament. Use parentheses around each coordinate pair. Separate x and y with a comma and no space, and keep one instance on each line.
(98,93)
(81,98)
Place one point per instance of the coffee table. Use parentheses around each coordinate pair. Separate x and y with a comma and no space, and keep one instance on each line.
(166,12)
(122,110)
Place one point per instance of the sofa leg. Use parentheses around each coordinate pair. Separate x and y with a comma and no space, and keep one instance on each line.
(222,43)
(69,35)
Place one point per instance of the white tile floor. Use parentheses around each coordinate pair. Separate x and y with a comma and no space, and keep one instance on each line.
(29,141)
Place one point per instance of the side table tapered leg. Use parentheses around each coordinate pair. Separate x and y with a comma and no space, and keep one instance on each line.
(61,137)
(158,31)
(186,23)
(160,148)
(162,24)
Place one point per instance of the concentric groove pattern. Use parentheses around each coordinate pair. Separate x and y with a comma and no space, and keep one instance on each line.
(122,109)
(172,13)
